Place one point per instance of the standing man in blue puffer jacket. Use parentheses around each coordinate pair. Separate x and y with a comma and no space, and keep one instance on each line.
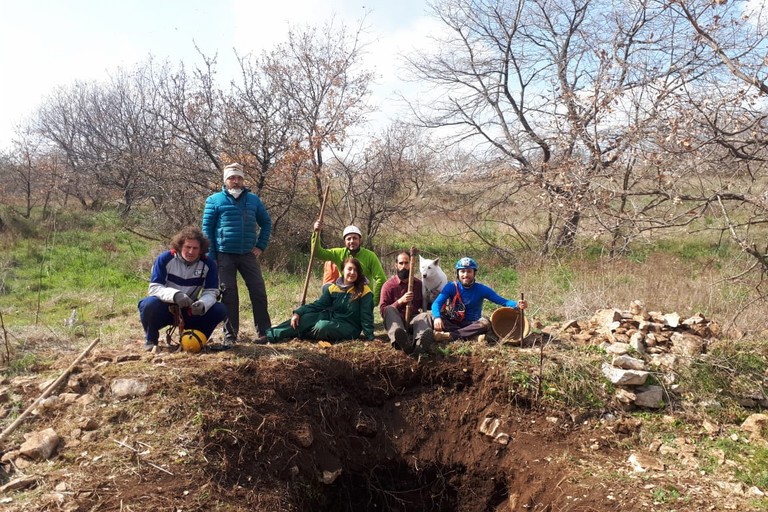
(238,226)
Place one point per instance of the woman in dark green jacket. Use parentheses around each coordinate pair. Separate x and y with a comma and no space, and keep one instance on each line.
(343,311)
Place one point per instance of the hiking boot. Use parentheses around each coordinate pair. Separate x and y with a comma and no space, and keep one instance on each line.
(441,336)
(261,340)
(228,341)
(427,339)
(403,341)
(150,346)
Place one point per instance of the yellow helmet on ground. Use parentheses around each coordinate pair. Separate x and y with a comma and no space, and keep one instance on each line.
(193,341)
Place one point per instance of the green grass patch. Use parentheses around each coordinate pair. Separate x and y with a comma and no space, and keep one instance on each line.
(563,277)
(666,494)
(753,468)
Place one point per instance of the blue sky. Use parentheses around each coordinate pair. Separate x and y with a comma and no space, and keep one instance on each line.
(48,43)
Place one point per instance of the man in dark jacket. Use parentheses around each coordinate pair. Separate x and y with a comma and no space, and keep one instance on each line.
(238,226)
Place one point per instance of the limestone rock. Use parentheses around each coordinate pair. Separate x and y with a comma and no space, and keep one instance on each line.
(490,426)
(127,388)
(642,462)
(624,377)
(651,397)
(757,427)
(24,482)
(617,348)
(628,363)
(688,345)
(637,308)
(672,320)
(40,445)
(607,318)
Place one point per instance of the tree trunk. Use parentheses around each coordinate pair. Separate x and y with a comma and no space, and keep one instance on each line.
(567,235)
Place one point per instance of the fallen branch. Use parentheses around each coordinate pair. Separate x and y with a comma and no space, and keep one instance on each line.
(48,391)
(134,450)
(5,339)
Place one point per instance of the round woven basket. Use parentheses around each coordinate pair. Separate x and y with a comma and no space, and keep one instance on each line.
(509,325)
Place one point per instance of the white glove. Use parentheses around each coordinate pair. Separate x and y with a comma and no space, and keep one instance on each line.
(198,308)
(182,300)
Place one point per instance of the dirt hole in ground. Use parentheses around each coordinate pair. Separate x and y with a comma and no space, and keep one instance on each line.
(347,428)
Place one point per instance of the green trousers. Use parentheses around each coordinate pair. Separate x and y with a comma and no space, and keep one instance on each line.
(314,326)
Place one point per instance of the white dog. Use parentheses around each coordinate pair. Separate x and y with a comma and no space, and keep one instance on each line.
(432,280)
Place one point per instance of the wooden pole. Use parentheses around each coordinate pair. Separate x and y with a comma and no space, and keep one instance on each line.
(409,307)
(48,391)
(312,249)
(522,319)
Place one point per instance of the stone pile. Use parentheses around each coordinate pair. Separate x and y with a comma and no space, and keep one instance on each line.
(661,340)
(644,331)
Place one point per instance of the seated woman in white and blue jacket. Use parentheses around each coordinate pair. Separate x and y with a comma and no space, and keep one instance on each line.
(186,278)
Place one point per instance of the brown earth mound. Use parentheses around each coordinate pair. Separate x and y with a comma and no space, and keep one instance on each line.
(357,426)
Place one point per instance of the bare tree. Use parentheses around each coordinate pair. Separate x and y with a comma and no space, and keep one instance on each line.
(190,102)
(260,132)
(259,126)
(383,181)
(319,71)
(559,95)
(24,175)
(726,122)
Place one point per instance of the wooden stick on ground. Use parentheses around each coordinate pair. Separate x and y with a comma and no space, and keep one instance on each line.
(134,450)
(48,391)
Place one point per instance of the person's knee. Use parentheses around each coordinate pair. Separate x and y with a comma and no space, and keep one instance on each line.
(325,329)
(151,307)
(321,326)
(218,312)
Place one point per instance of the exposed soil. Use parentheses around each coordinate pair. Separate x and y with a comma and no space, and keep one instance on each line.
(353,427)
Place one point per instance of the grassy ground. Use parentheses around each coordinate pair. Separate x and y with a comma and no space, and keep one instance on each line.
(90,266)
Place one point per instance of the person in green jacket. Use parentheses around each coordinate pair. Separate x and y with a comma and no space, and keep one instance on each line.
(343,311)
(353,238)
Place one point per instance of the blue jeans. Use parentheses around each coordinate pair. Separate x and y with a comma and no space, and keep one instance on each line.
(248,266)
(156,314)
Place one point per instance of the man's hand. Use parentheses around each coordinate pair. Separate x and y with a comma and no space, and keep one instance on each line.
(521,304)
(295,321)
(182,300)
(256,251)
(318,225)
(438,323)
(197,308)
(405,299)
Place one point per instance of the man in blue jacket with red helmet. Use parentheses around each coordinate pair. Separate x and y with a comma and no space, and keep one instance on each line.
(457,311)
(186,278)
(238,226)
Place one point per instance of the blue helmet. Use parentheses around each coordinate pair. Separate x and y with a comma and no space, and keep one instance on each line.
(465,263)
